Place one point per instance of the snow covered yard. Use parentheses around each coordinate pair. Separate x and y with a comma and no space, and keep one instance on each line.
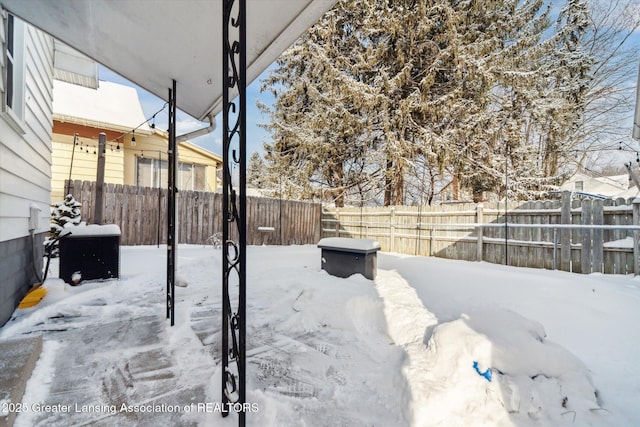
(430,342)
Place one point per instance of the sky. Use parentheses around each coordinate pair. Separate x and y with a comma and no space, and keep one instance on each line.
(421,345)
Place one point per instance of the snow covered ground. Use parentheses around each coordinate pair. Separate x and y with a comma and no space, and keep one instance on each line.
(430,342)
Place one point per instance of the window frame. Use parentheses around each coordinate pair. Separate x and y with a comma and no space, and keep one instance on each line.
(157,166)
(13,73)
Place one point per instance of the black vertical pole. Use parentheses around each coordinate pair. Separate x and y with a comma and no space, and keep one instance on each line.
(159,195)
(234,207)
(242,224)
(226,182)
(98,212)
(73,151)
(506,212)
(171,206)
(280,209)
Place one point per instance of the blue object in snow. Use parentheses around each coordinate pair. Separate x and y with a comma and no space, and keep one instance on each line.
(486,374)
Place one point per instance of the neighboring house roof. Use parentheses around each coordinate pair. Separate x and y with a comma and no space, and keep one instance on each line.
(621,181)
(609,186)
(201,151)
(628,193)
(111,106)
(191,146)
(154,43)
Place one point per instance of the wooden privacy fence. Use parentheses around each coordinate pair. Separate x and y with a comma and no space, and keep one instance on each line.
(141,213)
(572,235)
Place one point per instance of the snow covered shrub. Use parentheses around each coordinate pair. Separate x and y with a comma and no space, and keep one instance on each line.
(62,213)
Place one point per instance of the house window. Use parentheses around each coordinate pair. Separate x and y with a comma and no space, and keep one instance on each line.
(154,173)
(579,185)
(14,69)
(191,177)
(151,172)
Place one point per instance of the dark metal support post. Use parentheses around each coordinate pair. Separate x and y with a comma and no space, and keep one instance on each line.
(506,206)
(171,206)
(159,196)
(67,189)
(234,208)
(98,212)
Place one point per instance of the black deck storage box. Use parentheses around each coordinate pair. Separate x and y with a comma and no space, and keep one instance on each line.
(89,253)
(343,257)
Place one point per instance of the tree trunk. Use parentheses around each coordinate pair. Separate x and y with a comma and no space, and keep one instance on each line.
(338,181)
(478,195)
(432,191)
(398,188)
(388,184)
(455,186)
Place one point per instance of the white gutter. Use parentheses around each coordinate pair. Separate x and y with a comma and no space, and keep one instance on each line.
(199,132)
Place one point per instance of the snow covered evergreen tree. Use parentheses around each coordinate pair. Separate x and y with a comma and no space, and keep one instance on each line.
(379,92)
(62,213)
(481,44)
(320,117)
(256,171)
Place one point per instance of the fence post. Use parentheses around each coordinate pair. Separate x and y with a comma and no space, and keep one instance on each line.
(337,223)
(565,233)
(392,232)
(636,236)
(585,238)
(98,212)
(597,208)
(431,231)
(555,248)
(479,230)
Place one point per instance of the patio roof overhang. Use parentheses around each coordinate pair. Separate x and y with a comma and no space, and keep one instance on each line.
(170,47)
(152,43)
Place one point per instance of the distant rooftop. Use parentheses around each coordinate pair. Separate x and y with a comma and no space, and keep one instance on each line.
(110,106)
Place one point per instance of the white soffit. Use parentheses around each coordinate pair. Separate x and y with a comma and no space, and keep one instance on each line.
(153,42)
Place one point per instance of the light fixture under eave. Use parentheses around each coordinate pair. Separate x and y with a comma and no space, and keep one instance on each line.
(133,138)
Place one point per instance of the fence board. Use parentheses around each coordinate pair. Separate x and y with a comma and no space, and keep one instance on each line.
(140,212)
(441,231)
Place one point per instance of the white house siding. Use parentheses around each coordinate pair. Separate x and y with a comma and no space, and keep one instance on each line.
(25,174)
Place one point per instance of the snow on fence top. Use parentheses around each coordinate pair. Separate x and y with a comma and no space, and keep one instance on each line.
(84,230)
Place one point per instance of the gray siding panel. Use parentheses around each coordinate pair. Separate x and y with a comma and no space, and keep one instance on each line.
(19,261)
(25,173)
(26,155)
